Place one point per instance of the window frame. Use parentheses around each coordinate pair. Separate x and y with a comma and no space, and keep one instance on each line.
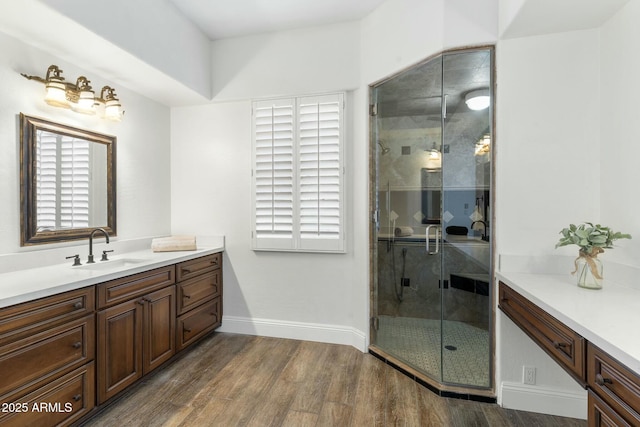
(328,239)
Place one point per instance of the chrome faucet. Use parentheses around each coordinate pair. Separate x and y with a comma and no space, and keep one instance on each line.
(484,232)
(106,235)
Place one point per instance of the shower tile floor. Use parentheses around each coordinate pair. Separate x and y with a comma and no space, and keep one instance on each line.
(417,342)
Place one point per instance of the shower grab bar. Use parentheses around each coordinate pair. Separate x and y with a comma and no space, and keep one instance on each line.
(427,243)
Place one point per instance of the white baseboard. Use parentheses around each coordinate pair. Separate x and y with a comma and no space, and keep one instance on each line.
(524,397)
(333,334)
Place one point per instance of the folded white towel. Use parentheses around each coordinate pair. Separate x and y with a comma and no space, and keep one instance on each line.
(403,231)
(174,243)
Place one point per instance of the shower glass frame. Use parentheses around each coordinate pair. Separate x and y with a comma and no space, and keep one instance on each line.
(469,284)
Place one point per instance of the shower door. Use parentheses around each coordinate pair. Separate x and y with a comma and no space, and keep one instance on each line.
(431,301)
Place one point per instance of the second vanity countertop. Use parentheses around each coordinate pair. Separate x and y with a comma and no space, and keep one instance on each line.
(608,318)
(30,284)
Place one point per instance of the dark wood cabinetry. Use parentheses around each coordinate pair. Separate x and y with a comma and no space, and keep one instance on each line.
(136,330)
(562,343)
(47,348)
(199,298)
(74,350)
(613,389)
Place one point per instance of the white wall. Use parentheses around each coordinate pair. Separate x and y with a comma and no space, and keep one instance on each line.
(620,132)
(143,185)
(305,296)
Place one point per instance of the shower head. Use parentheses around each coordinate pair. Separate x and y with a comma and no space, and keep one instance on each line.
(385,150)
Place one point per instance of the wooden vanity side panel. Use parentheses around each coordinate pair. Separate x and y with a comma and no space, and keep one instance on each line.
(116,291)
(616,384)
(29,318)
(563,344)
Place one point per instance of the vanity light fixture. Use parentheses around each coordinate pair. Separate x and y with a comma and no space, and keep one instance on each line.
(483,146)
(477,99)
(80,96)
(433,160)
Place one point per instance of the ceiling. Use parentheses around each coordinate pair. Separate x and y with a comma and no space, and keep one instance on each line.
(220,19)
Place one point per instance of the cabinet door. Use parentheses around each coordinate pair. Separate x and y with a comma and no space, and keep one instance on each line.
(119,347)
(160,322)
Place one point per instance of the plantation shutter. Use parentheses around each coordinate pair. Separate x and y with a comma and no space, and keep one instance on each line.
(298,174)
(47,179)
(62,196)
(273,174)
(320,172)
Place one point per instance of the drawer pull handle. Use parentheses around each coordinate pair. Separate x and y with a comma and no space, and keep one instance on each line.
(141,302)
(186,270)
(600,380)
(187,330)
(78,305)
(77,397)
(77,344)
(558,345)
(187,296)
(146,299)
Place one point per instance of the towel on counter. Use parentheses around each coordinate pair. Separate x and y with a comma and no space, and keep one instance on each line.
(174,243)
(403,231)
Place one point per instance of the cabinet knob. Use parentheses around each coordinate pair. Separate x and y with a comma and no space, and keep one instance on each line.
(78,305)
(186,296)
(77,344)
(600,380)
(141,301)
(558,345)
(187,329)
(77,397)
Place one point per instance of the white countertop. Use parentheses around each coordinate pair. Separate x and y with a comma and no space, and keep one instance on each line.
(609,317)
(33,283)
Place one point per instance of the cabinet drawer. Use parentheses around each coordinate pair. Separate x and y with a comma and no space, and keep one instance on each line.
(23,320)
(60,402)
(194,291)
(195,267)
(198,322)
(29,361)
(559,341)
(126,288)
(600,414)
(614,383)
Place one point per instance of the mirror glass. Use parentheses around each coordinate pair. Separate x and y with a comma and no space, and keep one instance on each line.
(67,182)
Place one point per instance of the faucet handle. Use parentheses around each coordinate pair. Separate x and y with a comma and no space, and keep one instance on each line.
(104,255)
(76,259)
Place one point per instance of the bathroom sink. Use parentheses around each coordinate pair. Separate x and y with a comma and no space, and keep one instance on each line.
(115,263)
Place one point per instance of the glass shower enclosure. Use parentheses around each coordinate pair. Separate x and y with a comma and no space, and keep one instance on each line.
(431,147)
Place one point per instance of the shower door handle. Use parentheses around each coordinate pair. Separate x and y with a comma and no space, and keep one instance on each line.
(426,238)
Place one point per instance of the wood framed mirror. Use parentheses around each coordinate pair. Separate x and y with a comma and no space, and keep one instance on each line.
(67,182)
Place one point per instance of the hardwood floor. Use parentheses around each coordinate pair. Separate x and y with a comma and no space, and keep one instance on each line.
(242,380)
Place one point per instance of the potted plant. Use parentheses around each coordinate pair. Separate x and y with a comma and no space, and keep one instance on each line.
(592,240)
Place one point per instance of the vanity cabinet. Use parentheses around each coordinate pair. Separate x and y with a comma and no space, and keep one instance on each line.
(47,348)
(559,341)
(136,328)
(199,298)
(613,389)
